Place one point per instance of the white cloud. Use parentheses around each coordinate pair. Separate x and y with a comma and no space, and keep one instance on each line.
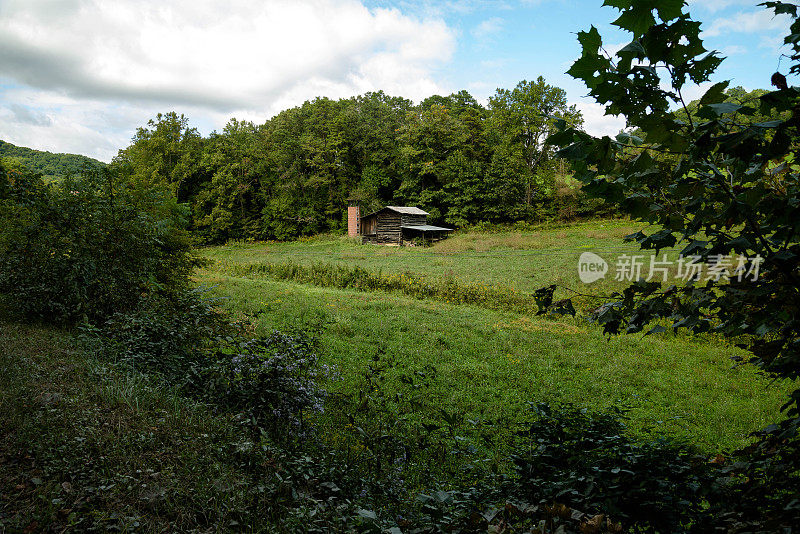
(494,63)
(24,115)
(488,28)
(596,122)
(251,57)
(73,125)
(734,50)
(749,22)
(440,8)
(717,5)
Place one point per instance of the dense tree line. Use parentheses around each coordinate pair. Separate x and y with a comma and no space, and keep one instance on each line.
(47,163)
(295,175)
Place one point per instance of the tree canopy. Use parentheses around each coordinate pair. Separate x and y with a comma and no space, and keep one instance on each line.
(295,174)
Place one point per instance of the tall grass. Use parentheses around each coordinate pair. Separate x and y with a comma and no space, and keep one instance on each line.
(449,289)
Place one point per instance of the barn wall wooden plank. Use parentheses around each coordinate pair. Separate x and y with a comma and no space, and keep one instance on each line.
(384,226)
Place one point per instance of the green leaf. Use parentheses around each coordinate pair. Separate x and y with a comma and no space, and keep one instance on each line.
(669,9)
(563,307)
(769,124)
(367,514)
(740,244)
(444,496)
(781,8)
(792,38)
(702,69)
(636,21)
(724,107)
(779,100)
(561,138)
(586,67)
(619,4)
(625,138)
(590,41)
(695,247)
(632,50)
(634,47)
(733,141)
(490,514)
(544,298)
(784,255)
(715,94)
(656,330)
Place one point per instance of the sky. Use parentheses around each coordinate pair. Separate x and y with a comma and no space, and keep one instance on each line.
(80,76)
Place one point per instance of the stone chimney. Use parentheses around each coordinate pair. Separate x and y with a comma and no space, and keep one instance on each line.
(353,220)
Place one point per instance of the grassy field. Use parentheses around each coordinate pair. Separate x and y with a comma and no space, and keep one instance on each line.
(89,443)
(524,260)
(491,363)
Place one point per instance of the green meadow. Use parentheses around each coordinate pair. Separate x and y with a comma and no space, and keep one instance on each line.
(523,259)
(491,363)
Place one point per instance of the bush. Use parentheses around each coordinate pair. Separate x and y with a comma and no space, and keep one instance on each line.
(166,337)
(577,471)
(587,462)
(267,382)
(449,289)
(88,247)
(725,186)
(271,382)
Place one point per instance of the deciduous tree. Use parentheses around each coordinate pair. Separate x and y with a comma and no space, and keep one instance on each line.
(523,118)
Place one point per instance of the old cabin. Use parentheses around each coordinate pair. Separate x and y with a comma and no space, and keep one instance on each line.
(394,225)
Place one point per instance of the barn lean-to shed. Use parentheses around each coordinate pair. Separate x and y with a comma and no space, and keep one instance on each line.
(398,224)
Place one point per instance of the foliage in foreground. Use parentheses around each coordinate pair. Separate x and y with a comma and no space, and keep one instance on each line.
(87,247)
(725,186)
(107,447)
(258,461)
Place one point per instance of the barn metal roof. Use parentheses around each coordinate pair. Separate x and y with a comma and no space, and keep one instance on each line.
(407,210)
(426,228)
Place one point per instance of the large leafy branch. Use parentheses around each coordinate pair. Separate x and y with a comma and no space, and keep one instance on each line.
(707,179)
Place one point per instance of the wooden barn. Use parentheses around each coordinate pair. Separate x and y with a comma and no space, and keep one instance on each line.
(395,225)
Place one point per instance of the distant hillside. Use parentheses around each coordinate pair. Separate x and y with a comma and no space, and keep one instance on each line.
(47,163)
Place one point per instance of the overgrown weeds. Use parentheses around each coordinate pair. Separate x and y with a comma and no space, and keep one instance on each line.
(448,289)
(118,443)
(382,466)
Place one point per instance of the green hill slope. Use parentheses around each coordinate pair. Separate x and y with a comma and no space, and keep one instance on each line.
(47,163)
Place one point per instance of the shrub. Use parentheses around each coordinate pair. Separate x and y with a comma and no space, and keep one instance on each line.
(270,381)
(578,471)
(88,247)
(722,184)
(166,337)
(587,462)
